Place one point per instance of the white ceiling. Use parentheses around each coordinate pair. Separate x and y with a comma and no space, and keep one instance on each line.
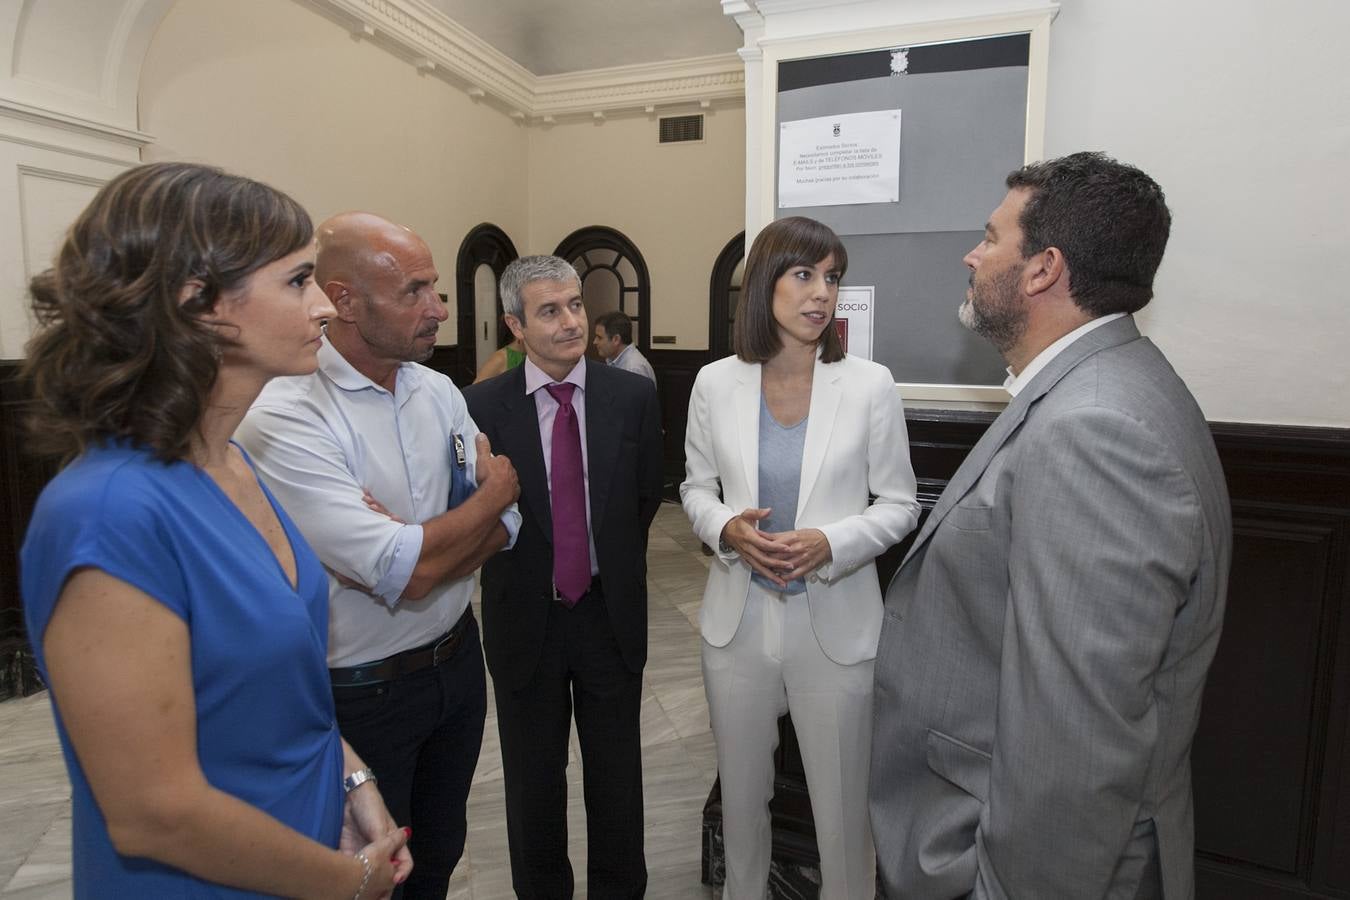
(551,37)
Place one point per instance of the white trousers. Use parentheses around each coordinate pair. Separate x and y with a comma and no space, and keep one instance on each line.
(774,665)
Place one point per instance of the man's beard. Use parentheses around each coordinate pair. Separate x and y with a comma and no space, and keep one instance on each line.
(993,310)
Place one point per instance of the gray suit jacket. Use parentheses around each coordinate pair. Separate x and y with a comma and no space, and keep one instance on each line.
(1046,641)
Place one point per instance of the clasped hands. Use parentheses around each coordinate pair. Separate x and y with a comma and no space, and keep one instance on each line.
(368,827)
(780,556)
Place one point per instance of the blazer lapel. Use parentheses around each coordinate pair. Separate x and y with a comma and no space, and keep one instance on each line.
(1014,414)
(825,393)
(520,427)
(974,465)
(745,419)
(602,450)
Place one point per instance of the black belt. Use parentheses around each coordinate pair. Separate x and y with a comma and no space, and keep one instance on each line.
(393,667)
(593,590)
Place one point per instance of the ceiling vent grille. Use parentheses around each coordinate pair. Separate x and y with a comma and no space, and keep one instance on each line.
(678,129)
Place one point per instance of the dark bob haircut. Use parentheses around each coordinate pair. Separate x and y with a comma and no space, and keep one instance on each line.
(1110,221)
(117,356)
(794,241)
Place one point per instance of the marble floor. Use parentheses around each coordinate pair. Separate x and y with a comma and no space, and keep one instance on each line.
(679,762)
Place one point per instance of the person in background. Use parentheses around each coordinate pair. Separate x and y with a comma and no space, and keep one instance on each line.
(788,443)
(505,359)
(614,342)
(177,615)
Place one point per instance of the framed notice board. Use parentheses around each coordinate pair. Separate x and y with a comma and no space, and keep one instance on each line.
(966,100)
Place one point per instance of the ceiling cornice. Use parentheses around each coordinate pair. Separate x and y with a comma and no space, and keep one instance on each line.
(437,45)
(704,79)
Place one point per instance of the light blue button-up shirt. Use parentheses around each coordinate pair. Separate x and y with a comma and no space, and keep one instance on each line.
(319,441)
(630,359)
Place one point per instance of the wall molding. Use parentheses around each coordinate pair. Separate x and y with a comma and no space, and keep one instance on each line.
(439,46)
(28,174)
(73,124)
(96,102)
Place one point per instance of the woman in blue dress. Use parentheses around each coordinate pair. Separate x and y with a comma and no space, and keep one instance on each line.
(178,617)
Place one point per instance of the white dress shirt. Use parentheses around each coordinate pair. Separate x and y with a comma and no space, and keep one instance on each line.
(318,441)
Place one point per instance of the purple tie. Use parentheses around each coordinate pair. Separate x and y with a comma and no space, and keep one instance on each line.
(571,544)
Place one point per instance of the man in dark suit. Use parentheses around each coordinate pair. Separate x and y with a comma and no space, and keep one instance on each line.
(565,610)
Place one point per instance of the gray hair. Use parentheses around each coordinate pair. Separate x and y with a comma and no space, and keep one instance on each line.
(529,269)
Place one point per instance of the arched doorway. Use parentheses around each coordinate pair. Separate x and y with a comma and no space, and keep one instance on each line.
(483,256)
(613,276)
(724,295)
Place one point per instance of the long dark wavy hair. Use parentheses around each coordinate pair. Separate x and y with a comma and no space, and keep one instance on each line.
(119,354)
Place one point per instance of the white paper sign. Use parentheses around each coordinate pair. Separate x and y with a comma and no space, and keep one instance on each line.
(838,160)
(853,319)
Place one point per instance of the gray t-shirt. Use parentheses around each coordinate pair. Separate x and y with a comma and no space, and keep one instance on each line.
(780,477)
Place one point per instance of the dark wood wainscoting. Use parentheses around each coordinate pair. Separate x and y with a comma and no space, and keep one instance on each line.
(675,373)
(454,364)
(1271,759)
(21,480)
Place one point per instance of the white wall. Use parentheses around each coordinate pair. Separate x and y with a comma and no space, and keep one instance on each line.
(272,90)
(1241,110)
(679,203)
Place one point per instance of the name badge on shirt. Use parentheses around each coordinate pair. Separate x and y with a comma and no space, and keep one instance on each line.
(459,450)
(460,487)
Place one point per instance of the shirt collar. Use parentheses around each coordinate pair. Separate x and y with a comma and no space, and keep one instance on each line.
(614,360)
(535,377)
(345,375)
(1014,384)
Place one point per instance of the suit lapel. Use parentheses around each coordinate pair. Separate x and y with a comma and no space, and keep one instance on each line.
(825,393)
(745,419)
(1109,335)
(974,465)
(520,428)
(602,446)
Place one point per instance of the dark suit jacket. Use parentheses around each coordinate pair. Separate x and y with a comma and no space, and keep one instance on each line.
(623,444)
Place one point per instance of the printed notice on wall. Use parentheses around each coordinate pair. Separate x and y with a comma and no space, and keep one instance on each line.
(839,160)
(853,320)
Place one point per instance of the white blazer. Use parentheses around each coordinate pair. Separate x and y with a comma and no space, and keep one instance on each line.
(856,447)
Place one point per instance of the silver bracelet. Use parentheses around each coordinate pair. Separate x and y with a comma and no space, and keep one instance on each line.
(365,879)
(357,778)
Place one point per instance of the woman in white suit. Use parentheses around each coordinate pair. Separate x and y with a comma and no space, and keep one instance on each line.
(787,443)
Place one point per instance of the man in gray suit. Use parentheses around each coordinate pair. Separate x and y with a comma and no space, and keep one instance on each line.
(1046,641)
